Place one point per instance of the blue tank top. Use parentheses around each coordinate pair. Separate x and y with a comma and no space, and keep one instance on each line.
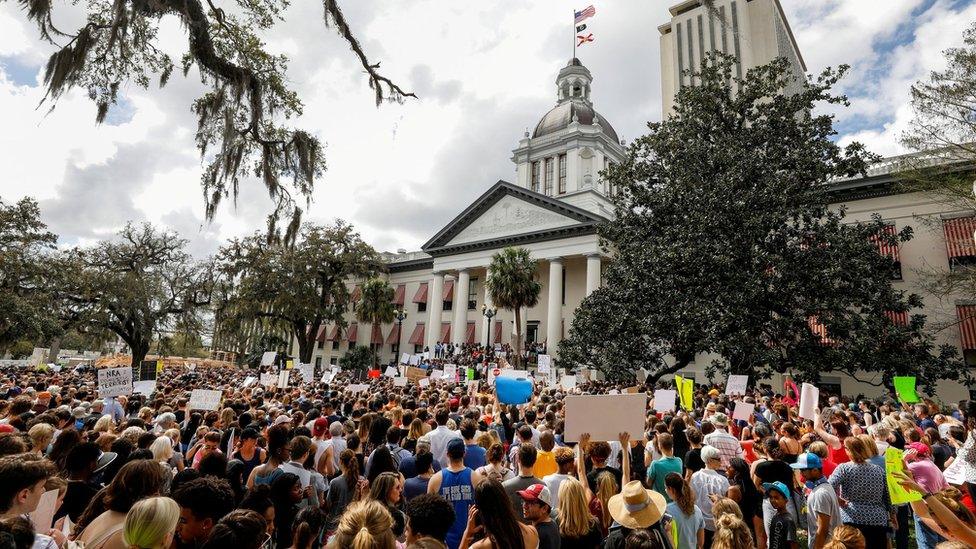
(456,488)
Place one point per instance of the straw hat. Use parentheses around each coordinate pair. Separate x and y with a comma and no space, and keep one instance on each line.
(635,507)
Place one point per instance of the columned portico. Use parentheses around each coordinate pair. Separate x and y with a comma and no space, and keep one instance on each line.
(459,327)
(555,305)
(593,273)
(435,304)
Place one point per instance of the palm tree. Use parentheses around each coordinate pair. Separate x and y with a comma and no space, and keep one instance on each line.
(512,284)
(375,307)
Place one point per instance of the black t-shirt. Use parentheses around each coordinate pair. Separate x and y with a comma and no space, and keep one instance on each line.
(693,460)
(76,499)
(774,470)
(782,532)
(592,539)
(548,535)
(592,475)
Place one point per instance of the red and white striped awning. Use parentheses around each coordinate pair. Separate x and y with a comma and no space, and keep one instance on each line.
(320,337)
(884,247)
(334,336)
(376,338)
(898,318)
(421,295)
(357,293)
(417,337)
(820,331)
(959,236)
(448,290)
(469,333)
(399,294)
(353,332)
(445,332)
(967,326)
(394,337)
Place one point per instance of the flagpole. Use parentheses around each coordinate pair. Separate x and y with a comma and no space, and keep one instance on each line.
(574,34)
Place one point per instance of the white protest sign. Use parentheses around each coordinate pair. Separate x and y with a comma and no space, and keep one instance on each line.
(249,380)
(43,515)
(414,360)
(664,400)
(267,359)
(545,362)
(954,473)
(736,385)
(268,379)
(114,382)
(327,377)
(426,355)
(400,381)
(391,371)
(809,398)
(204,399)
(436,374)
(450,371)
(282,379)
(614,392)
(604,417)
(308,372)
(425,382)
(144,387)
(568,382)
(358,387)
(517,374)
(404,358)
(743,410)
(54,367)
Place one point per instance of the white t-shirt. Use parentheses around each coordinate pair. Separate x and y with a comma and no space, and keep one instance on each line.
(823,500)
(553,482)
(320,447)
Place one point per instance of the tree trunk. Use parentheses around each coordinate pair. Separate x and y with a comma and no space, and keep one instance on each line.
(305,348)
(518,337)
(679,364)
(140,348)
(376,363)
(55,348)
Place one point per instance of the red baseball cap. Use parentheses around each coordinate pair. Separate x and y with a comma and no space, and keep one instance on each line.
(537,492)
(320,426)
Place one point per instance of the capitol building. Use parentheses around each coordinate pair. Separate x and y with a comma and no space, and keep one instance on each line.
(557,199)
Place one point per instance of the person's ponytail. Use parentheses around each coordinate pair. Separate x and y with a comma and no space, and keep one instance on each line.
(363,539)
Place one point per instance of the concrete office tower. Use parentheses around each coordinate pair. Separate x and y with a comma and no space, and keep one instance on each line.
(754,31)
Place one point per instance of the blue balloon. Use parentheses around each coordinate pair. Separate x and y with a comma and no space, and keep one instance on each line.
(513,391)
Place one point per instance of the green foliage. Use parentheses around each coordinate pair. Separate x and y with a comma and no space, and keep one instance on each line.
(241,121)
(512,285)
(297,289)
(375,306)
(136,285)
(357,358)
(26,273)
(724,243)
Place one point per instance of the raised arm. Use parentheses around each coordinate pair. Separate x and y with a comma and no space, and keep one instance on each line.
(584,442)
(625,450)
(828,438)
(958,529)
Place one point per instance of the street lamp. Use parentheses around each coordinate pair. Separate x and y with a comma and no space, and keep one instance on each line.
(488,312)
(400,314)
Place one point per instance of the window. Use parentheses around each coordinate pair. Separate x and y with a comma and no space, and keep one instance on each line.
(318,361)
(335,344)
(473,294)
(562,174)
(681,57)
(535,176)
(548,177)
(691,55)
(421,307)
(321,344)
(417,349)
(735,42)
(701,39)
(334,360)
(395,349)
(448,305)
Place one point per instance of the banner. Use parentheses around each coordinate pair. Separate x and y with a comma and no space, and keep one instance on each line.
(604,417)
(204,399)
(905,389)
(113,382)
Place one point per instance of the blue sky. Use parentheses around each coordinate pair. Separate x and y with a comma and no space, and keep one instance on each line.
(484,72)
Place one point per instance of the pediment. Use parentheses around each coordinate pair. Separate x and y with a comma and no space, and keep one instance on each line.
(506,213)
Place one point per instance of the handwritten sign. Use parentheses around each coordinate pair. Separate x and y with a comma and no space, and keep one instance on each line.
(308,372)
(736,385)
(114,382)
(414,360)
(894,464)
(249,380)
(450,372)
(268,358)
(425,382)
(404,358)
(400,381)
(268,379)
(327,377)
(415,374)
(545,362)
(391,371)
(204,399)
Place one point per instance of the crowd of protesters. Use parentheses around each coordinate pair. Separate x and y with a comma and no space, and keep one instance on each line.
(447,465)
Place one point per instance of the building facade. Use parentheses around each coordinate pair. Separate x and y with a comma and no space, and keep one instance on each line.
(558,199)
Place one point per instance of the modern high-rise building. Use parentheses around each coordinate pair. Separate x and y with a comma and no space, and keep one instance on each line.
(753,31)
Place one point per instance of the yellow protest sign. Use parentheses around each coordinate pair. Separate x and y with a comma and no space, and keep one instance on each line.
(159,366)
(289,364)
(894,464)
(686,389)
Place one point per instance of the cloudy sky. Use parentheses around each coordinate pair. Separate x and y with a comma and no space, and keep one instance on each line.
(484,72)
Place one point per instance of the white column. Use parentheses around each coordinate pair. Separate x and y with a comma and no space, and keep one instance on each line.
(593,273)
(486,329)
(460,326)
(435,306)
(555,305)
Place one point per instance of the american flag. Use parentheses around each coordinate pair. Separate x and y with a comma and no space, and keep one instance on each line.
(585,14)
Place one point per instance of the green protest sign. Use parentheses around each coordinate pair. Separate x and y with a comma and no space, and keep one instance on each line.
(905,389)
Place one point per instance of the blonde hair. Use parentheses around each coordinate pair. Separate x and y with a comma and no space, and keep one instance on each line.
(103,425)
(227,416)
(726,506)
(572,513)
(606,488)
(149,521)
(857,449)
(41,435)
(162,448)
(870,443)
(173,434)
(731,532)
(366,524)
(846,537)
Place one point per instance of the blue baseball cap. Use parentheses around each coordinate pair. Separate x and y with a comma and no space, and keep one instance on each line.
(807,461)
(778,486)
